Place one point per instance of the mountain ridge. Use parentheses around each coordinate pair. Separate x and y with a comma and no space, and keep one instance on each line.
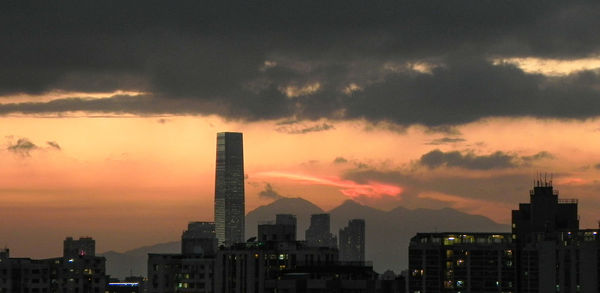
(388,233)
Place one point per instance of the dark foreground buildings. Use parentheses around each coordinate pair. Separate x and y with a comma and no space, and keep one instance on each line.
(546,252)
(77,271)
(273,262)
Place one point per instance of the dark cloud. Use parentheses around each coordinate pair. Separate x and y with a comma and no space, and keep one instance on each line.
(269,193)
(22,147)
(297,60)
(597,166)
(468,160)
(445,140)
(304,129)
(53,144)
(340,160)
(538,156)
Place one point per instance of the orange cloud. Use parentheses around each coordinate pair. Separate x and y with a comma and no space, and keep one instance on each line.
(348,188)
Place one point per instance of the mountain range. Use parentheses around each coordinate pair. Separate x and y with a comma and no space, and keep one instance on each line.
(388,233)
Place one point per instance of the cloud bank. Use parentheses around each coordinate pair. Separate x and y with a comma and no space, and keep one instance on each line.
(404,62)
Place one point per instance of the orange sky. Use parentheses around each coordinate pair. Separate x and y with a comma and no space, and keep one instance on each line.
(134,181)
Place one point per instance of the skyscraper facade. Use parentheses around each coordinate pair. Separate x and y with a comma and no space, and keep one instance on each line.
(229,189)
(318,233)
(352,241)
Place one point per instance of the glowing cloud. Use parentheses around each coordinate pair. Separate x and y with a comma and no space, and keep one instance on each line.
(348,188)
(552,67)
(293,91)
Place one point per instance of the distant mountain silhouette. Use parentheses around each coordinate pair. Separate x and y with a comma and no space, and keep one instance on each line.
(300,207)
(387,233)
(135,261)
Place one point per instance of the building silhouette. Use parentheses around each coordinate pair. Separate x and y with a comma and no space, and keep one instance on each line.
(79,270)
(83,246)
(229,189)
(190,271)
(462,262)
(553,254)
(276,262)
(352,241)
(199,239)
(318,233)
(284,229)
(546,252)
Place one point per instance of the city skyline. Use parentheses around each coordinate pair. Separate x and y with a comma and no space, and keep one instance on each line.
(108,111)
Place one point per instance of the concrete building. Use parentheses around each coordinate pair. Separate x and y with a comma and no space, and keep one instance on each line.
(180,273)
(229,189)
(245,267)
(77,271)
(553,254)
(199,239)
(462,262)
(318,233)
(546,252)
(284,229)
(333,277)
(24,274)
(82,246)
(352,241)
(190,271)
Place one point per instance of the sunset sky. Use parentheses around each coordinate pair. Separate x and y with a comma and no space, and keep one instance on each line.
(109,111)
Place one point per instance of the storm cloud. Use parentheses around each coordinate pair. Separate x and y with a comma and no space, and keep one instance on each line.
(403,62)
(469,160)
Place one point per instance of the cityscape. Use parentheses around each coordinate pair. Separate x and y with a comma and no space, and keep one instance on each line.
(226,146)
(545,251)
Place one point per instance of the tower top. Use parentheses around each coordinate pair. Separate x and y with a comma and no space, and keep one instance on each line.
(543,180)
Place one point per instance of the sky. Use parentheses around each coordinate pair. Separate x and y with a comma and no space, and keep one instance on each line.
(109,111)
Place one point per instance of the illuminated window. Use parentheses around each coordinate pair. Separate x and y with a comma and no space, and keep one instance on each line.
(449,240)
(448,284)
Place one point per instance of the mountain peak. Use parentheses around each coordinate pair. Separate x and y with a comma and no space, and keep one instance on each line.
(350,202)
(290,203)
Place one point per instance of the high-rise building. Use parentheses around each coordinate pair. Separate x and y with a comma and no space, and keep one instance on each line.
(546,252)
(199,239)
(229,189)
(462,262)
(553,254)
(318,233)
(545,213)
(77,271)
(83,246)
(352,241)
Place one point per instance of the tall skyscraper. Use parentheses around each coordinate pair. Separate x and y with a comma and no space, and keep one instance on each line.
(352,241)
(229,189)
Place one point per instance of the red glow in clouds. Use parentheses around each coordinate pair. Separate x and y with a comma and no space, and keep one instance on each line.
(348,187)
